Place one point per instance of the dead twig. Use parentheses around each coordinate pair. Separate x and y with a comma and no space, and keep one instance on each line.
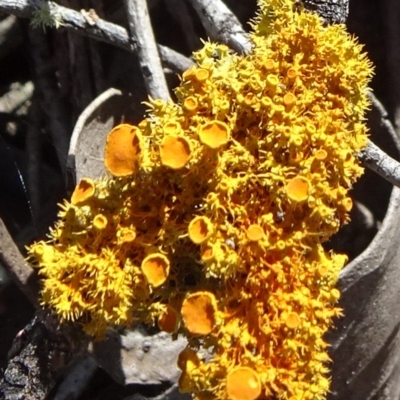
(173,60)
(19,270)
(101,30)
(222,25)
(10,35)
(385,121)
(145,44)
(378,161)
(16,97)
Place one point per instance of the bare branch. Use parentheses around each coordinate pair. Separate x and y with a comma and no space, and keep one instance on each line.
(378,161)
(10,35)
(21,273)
(145,43)
(101,30)
(385,121)
(18,95)
(222,25)
(173,60)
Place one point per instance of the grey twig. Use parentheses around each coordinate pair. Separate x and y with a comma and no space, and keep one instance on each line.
(101,30)
(16,97)
(385,121)
(19,270)
(10,35)
(378,161)
(145,43)
(173,60)
(364,216)
(221,24)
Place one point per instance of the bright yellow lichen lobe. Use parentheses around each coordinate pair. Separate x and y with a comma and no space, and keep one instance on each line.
(213,220)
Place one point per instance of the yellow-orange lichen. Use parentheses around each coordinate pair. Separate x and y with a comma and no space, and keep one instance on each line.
(335,295)
(347,204)
(100,221)
(217,208)
(207,253)
(188,361)
(199,313)
(169,320)
(200,229)
(83,191)
(269,64)
(322,271)
(272,80)
(289,99)
(175,152)
(202,74)
(243,383)
(172,128)
(298,189)
(127,235)
(291,74)
(155,268)
(321,154)
(293,320)
(122,151)
(214,134)
(254,233)
(190,104)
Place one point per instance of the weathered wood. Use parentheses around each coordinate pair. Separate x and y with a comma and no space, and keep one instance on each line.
(39,353)
(332,11)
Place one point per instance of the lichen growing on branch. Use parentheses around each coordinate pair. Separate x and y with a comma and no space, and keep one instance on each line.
(213,219)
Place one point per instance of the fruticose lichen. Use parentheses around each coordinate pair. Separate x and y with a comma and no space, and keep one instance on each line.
(213,220)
